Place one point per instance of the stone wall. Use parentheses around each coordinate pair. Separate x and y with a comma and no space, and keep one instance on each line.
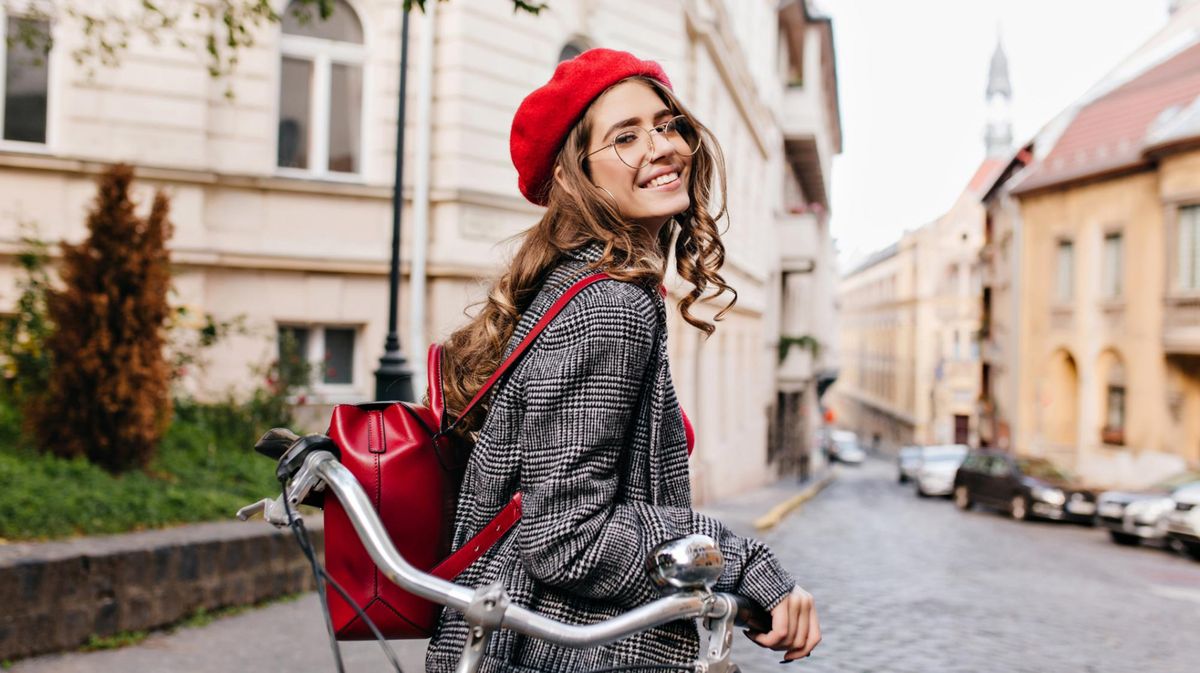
(55,595)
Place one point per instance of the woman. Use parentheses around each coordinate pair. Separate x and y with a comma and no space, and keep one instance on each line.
(587,426)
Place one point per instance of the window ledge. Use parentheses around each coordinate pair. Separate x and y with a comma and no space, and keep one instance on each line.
(21,147)
(1184,297)
(46,160)
(327,394)
(302,174)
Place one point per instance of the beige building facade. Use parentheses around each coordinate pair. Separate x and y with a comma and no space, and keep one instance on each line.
(1110,314)
(876,393)
(281,195)
(909,324)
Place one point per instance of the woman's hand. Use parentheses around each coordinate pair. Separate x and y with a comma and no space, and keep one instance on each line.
(794,626)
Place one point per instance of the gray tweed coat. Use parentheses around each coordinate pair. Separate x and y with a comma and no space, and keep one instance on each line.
(587,426)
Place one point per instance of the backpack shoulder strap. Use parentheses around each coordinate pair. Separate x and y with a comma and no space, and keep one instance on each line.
(541,325)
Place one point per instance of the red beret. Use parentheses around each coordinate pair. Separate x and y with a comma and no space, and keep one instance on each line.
(548,114)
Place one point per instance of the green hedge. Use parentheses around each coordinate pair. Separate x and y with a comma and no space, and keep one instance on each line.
(206,468)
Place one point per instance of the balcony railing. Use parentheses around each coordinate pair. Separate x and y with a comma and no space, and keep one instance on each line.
(1062,318)
(1181,324)
(799,240)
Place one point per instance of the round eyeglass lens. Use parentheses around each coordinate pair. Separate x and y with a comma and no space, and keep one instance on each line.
(634,144)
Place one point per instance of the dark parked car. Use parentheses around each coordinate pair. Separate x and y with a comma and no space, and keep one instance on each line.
(1026,487)
(1133,516)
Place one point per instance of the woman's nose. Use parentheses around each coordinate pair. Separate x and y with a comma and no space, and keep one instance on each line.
(660,146)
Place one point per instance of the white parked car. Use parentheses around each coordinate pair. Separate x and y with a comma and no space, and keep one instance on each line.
(1135,516)
(908,461)
(1183,523)
(843,447)
(939,463)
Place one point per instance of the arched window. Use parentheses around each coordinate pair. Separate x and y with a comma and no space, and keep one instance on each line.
(574,47)
(321,91)
(1113,431)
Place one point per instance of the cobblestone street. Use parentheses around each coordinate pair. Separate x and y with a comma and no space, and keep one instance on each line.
(903,585)
(912,585)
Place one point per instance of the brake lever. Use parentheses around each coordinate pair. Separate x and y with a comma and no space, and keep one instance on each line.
(273,512)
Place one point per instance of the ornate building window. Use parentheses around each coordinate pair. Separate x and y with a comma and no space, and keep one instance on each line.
(327,349)
(1113,431)
(321,92)
(24,60)
(574,47)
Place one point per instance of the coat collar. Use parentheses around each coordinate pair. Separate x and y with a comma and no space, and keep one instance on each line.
(589,252)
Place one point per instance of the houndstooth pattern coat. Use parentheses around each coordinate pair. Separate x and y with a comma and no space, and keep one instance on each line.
(588,428)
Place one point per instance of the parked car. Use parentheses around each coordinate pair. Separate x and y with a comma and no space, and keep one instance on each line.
(907,462)
(1133,516)
(1026,487)
(1183,523)
(937,467)
(844,447)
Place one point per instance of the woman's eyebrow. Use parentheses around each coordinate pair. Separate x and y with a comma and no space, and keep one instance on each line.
(632,121)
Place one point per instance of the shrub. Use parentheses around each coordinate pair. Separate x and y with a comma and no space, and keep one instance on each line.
(26,362)
(107,397)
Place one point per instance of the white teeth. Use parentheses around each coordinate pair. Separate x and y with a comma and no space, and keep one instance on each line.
(662,180)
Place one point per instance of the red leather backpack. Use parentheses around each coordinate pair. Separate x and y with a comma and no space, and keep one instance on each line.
(401,455)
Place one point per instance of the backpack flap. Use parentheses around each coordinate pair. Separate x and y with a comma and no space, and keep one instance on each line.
(433,373)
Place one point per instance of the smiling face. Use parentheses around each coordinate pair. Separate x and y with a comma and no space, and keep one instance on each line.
(650,195)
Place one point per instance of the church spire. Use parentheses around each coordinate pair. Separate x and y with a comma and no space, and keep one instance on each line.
(999,98)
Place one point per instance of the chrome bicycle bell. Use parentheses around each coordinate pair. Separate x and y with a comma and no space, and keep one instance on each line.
(686,563)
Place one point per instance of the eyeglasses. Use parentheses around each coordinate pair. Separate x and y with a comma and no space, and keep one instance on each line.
(634,145)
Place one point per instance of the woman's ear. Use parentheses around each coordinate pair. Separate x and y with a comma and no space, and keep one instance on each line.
(560,177)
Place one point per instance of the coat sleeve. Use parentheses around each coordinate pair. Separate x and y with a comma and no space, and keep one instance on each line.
(582,388)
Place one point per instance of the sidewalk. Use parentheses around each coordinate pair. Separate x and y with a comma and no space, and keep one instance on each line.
(291,636)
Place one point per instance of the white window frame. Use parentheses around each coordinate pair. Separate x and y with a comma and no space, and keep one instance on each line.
(323,54)
(52,68)
(1064,285)
(1188,216)
(1112,280)
(322,392)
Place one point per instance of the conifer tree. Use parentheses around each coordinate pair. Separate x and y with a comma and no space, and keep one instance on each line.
(108,397)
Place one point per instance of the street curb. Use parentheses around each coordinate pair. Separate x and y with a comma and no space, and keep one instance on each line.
(772,518)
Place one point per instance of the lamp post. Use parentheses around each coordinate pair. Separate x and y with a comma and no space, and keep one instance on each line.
(393,379)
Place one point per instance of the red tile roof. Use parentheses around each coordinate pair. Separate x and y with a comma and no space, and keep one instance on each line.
(984,174)
(1109,134)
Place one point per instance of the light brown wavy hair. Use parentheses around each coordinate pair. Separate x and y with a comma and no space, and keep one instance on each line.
(577,214)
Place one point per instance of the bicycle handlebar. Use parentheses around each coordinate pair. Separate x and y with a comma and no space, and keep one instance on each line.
(682,605)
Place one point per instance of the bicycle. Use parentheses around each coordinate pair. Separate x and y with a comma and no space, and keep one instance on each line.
(685,569)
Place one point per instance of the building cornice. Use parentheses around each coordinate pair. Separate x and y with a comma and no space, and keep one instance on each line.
(195,177)
(710,26)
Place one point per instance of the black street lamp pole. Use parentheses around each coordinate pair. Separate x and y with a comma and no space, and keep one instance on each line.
(393,379)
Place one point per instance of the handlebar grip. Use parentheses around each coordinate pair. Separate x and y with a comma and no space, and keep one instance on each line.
(275,442)
(752,615)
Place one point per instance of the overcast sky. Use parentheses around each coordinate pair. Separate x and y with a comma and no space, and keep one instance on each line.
(912,77)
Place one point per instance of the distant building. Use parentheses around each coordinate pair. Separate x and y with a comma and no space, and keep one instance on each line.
(910,315)
(806,335)
(282,194)
(876,394)
(1000,280)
